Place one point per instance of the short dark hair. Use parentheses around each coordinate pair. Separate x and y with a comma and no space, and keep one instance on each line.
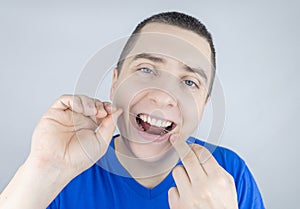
(178,19)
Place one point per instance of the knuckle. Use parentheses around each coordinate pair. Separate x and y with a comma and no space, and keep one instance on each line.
(99,103)
(171,191)
(205,150)
(201,152)
(66,96)
(90,105)
(190,159)
(230,179)
(100,108)
(204,155)
(197,147)
(178,171)
(76,102)
(224,181)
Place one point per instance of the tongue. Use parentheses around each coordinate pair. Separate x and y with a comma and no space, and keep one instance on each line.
(150,129)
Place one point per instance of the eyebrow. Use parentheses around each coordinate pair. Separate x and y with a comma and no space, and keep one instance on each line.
(149,57)
(198,71)
(153,58)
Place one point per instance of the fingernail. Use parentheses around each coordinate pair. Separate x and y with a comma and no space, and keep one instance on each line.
(110,108)
(107,106)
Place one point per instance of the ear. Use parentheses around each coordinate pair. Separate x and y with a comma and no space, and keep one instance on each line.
(114,83)
(207,100)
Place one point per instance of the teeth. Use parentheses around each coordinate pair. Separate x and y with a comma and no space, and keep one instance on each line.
(159,123)
(154,122)
(140,125)
(142,117)
(163,132)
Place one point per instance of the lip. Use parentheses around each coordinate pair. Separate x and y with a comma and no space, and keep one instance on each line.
(150,137)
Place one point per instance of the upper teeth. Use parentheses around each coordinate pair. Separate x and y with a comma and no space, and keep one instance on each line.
(155,122)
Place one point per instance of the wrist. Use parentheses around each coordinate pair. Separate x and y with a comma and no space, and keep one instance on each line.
(35,185)
(46,170)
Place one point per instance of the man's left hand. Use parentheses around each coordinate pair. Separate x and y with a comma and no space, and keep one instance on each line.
(201,182)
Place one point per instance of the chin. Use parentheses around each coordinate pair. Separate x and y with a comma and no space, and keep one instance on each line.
(151,151)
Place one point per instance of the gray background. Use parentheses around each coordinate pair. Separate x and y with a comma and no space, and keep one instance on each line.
(45,44)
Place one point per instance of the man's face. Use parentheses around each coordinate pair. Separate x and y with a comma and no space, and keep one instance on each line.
(162,87)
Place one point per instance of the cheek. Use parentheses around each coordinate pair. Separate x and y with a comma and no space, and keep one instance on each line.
(126,93)
(192,115)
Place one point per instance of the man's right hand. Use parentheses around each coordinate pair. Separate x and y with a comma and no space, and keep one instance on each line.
(73,134)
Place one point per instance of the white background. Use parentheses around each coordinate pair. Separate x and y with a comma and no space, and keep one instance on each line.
(45,44)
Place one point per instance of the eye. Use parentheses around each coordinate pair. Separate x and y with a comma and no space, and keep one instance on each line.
(190,83)
(145,70)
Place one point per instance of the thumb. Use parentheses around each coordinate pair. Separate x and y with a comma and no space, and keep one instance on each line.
(107,127)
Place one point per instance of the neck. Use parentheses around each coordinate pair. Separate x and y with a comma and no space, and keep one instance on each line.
(149,171)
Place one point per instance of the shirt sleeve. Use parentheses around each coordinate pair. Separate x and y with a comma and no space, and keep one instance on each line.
(249,196)
(54,204)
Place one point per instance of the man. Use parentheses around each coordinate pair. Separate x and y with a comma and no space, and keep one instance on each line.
(160,87)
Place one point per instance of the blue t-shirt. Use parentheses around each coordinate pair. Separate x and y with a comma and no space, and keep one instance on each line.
(108,185)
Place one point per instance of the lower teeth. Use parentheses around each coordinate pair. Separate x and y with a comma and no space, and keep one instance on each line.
(163,132)
(140,125)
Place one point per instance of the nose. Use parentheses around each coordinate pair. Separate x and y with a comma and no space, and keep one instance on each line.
(161,99)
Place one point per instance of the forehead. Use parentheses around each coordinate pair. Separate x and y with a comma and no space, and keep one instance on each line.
(188,36)
(174,42)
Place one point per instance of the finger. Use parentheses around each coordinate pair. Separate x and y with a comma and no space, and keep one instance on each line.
(79,104)
(109,107)
(206,159)
(103,108)
(188,158)
(182,181)
(101,111)
(180,146)
(106,129)
(88,105)
(173,197)
(94,144)
(93,108)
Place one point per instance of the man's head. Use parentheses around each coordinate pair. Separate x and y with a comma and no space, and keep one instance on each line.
(180,20)
(162,82)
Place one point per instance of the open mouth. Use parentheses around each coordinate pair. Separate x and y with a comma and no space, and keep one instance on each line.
(153,125)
